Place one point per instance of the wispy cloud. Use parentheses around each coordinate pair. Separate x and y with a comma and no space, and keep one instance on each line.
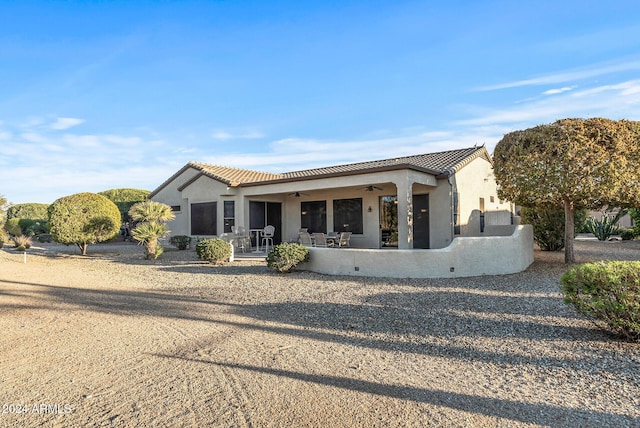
(568,75)
(63,123)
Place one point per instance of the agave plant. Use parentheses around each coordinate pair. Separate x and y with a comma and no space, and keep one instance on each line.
(607,227)
(149,234)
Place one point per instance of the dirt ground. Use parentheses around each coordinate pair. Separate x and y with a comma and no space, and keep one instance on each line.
(115,340)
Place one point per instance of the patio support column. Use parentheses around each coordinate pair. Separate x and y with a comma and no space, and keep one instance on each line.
(405,213)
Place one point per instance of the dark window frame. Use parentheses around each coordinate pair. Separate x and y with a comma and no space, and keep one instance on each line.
(348,215)
(204,218)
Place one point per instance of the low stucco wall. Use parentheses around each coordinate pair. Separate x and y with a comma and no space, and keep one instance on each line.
(473,256)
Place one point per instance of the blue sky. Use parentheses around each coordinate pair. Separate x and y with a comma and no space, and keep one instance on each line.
(106,94)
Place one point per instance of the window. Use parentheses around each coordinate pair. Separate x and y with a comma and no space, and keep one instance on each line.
(481,215)
(347,215)
(204,218)
(313,216)
(229,215)
(175,208)
(456,213)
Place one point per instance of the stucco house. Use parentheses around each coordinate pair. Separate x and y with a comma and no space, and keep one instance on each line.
(410,202)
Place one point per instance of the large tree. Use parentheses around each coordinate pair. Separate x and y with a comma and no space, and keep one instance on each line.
(571,163)
(125,198)
(83,219)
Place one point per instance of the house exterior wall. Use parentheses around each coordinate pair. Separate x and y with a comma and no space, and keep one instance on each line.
(469,182)
(475,181)
(171,196)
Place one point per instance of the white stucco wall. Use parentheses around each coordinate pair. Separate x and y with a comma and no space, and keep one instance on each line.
(470,256)
(475,181)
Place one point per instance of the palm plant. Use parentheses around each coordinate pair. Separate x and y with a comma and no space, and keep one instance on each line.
(149,234)
(151,217)
(151,211)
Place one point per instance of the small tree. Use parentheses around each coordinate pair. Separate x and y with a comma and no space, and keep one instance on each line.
(151,217)
(83,219)
(573,164)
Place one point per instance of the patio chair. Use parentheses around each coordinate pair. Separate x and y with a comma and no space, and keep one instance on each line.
(345,239)
(304,238)
(321,240)
(267,237)
(242,240)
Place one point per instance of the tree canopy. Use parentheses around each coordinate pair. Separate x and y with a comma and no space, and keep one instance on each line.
(32,211)
(83,219)
(125,198)
(571,163)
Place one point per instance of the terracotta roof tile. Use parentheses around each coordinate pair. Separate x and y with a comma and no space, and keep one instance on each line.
(440,163)
(234,176)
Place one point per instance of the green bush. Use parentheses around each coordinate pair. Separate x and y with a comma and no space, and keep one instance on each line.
(12,227)
(628,234)
(286,256)
(181,242)
(607,227)
(608,291)
(214,250)
(548,225)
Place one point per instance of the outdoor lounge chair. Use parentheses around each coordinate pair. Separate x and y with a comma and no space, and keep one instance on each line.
(345,239)
(242,240)
(304,238)
(321,240)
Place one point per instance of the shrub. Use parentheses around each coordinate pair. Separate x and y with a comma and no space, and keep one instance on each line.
(124,199)
(181,242)
(608,291)
(214,250)
(286,256)
(149,234)
(607,227)
(21,243)
(12,227)
(548,225)
(627,234)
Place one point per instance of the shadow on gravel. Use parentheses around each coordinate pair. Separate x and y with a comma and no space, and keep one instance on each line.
(538,414)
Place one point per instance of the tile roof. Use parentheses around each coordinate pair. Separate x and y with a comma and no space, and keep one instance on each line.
(440,164)
(234,176)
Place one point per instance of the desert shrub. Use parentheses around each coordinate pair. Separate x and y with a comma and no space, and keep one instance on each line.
(21,242)
(286,256)
(548,225)
(12,227)
(628,234)
(31,211)
(608,291)
(214,250)
(181,242)
(605,228)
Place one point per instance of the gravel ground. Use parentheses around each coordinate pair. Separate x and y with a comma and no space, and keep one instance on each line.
(115,340)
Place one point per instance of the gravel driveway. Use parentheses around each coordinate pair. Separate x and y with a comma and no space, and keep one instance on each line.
(115,340)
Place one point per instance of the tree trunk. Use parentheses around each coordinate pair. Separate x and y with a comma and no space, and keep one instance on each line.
(83,247)
(569,231)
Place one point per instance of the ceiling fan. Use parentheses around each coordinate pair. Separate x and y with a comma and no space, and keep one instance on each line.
(298,194)
(371,188)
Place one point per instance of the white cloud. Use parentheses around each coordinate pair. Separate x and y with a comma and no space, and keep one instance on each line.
(63,123)
(225,135)
(559,90)
(569,75)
